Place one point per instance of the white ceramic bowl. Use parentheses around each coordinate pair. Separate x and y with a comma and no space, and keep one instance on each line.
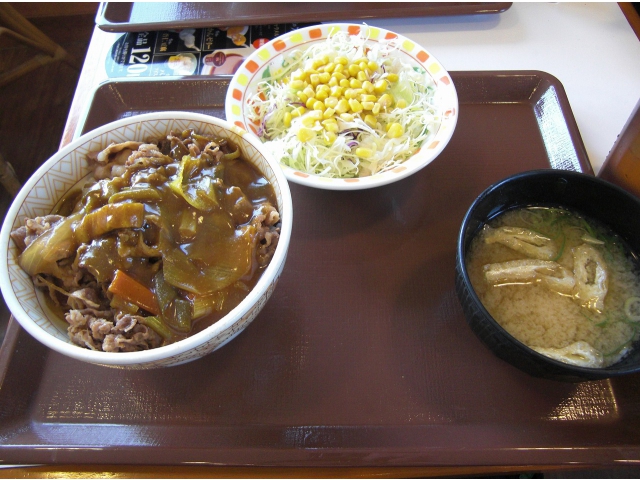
(69,166)
(270,57)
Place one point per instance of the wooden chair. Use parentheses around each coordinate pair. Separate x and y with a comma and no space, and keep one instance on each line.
(14,25)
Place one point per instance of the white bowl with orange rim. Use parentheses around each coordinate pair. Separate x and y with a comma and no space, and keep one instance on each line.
(363,152)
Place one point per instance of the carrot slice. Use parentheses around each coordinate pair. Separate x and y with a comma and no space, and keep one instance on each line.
(134,292)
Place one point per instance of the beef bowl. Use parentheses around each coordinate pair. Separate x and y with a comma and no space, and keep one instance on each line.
(547,273)
(148,242)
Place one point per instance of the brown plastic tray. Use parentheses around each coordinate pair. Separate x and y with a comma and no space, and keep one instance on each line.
(362,357)
(142,16)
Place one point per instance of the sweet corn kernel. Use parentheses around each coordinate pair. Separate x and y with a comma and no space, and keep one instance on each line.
(298,74)
(328,113)
(368,105)
(385,100)
(336,91)
(394,130)
(368,86)
(314,79)
(297,84)
(301,111)
(368,98)
(308,121)
(339,68)
(333,81)
(370,120)
(331,102)
(322,95)
(309,91)
(380,86)
(309,103)
(376,108)
(323,88)
(329,67)
(364,152)
(324,77)
(316,115)
(344,83)
(338,76)
(342,107)
(305,134)
(318,105)
(318,62)
(303,97)
(350,93)
(286,119)
(401,103)
(341,60)
(347,117)
(353,69)
(330,125)
(392,77)
(355,83)
(373,66)
(355,105)
(362,75)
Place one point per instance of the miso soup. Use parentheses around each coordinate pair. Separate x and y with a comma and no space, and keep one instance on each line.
(562,284)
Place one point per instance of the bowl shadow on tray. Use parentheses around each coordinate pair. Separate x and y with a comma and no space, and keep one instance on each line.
(454,377)
(396,247)
(343,213)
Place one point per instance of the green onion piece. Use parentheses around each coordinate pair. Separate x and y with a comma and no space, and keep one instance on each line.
(232,155)
(561,250)
(188,224)
(158,326)
(120,303)
(107,218)
(191,192)
(139,194)
(182,315)
(206,304)
(632,308)
(174,312)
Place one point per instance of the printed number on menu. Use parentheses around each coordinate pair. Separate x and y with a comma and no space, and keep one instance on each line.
(137,61)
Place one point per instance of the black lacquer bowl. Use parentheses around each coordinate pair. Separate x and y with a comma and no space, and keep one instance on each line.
(579,192)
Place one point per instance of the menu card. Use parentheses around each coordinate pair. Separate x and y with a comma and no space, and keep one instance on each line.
(189,51)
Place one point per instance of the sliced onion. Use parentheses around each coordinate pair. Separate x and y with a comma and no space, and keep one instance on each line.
(632,308)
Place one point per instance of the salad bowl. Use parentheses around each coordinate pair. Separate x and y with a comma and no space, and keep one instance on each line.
(274,64)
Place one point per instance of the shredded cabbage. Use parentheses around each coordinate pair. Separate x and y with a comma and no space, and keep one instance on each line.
(334,155)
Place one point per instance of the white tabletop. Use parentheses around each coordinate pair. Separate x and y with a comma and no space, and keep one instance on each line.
(589,47)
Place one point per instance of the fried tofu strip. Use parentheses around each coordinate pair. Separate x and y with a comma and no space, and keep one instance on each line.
(525,241)
(579,353)
(551,274)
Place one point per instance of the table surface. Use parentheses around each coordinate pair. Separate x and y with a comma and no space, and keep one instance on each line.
(590,47)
